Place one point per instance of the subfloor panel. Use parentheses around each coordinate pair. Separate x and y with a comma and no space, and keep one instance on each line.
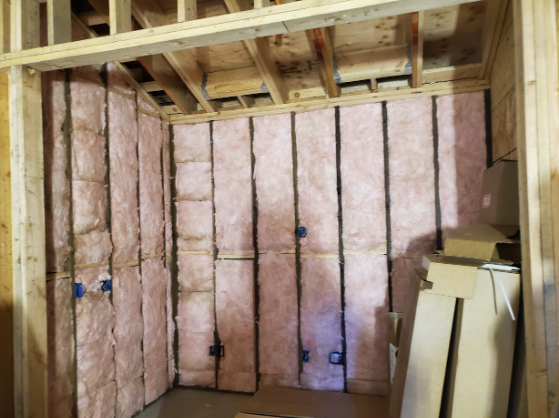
(187,403)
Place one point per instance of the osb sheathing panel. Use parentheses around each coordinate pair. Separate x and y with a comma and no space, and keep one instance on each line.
(316,181)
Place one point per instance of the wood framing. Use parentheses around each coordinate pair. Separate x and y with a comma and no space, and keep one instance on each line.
(418,19)
(28,244)
(59,21)
(259,50)
(4,26)
(437,89)
(245,25)
(120,15)
(324,50)
(6,304)
(186,10)
(492,28)
(537,82)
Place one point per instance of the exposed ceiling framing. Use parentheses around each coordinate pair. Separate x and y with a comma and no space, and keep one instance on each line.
(257,56)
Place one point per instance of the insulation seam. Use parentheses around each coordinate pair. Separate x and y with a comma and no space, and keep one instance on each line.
(488,128)
(340,241)
(436,169)
(387,202)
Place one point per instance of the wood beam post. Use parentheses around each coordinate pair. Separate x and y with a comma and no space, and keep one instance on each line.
(417,48)
(325,53)
(28,244)
(120,13)
(24,23)
(537,81)
(6,294)
(5,27)
(59,21)
(186,10)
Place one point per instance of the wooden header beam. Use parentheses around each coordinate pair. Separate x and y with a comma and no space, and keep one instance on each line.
(256,23)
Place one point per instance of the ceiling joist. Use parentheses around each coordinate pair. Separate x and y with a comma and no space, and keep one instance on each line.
(417,48)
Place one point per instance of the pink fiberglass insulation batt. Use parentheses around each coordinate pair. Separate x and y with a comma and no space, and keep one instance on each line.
(273,152)
(412,176)
(129,325)
(196,273)
(233,187)
(321,328)
(403,272)
(151,184)
(278,328)
(116,79)
(57,186)
(234,280)
(194,225)
(60,326)
(123,140)
(154,301)
(167,189)
(462,157)
(92,248)
(366,310)
(89,206)
(95,352)
(192,143)
(195,323)
(101,405)
(88,157)
(362,171)
(130,399)
(91,278)
(194,181)
(88,105)
(317,181)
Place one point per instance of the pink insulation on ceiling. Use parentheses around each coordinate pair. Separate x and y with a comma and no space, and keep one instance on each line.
(123,140)
(273,172)
(412,176)
(317,181)
(403,272)
(92,248)
(89,206)
(233,187)
(57,186)
(194,181)
(61,352)
(192,143)
(362,172)
(88,157)
(154,302)
(366,309)
(151,184)
(196,323)
(462,157)
(321,327)
(91,278)
(95,353)
(234,281)
(196,273)
(88,105)
(194,225)
(278,324)
(130,399)
(167,188)
(129,325)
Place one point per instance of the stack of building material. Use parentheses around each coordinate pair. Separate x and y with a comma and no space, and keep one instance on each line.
(467,356)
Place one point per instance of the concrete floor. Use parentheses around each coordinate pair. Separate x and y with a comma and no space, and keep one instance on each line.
(188,403)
